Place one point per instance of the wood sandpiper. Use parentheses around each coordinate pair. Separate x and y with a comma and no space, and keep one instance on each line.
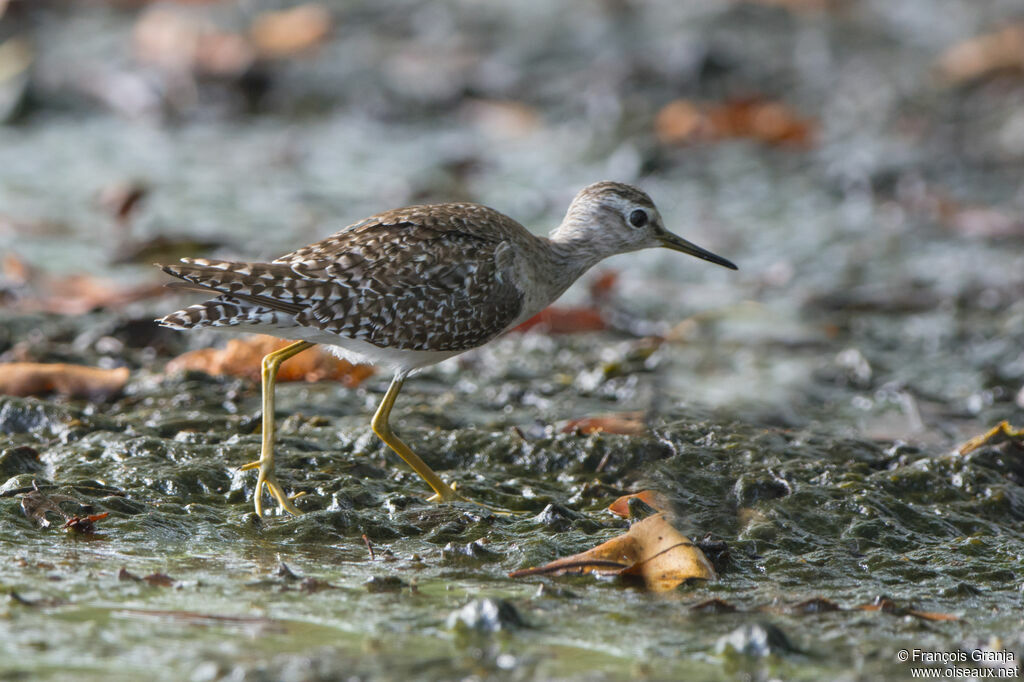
(408,288)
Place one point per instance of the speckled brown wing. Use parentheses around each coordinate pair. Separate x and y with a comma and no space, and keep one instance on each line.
(423,278)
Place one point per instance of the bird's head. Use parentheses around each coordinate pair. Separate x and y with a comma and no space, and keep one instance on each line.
(609,218)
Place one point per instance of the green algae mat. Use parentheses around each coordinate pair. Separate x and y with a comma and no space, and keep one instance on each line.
(826,425)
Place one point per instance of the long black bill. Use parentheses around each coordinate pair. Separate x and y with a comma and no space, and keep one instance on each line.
(676,243)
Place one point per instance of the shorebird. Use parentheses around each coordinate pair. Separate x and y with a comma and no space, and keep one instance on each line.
(411,287)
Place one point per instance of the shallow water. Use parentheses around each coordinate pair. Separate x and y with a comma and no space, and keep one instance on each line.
(805,410)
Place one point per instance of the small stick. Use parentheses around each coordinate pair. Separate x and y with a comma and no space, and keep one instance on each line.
(369,547)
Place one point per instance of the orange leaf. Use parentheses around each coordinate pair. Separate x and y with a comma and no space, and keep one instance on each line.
(766,121)
(1000,433)
(984,55)
(558,320)
(84,524)
(243,357)
(603,285)
(74,381)
(182,41)
(624,423)
(651,498)
(290,31)
(680,121)
(661,556)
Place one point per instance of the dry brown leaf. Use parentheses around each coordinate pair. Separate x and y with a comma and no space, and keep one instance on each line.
(651,498)
(243,357)
(84,524)
(73,381)
(652,550)
(506,119)
(1000,433)
(623,423)
(602,286)
(185,42)
(291,31)
(159,580)
(15,271)
(984,55)
(559,320)
(763,120)
(680,121)
(37,505)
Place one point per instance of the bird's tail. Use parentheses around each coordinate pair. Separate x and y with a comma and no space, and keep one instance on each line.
(249,293)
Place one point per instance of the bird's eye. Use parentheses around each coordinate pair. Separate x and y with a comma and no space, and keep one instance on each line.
(638,218)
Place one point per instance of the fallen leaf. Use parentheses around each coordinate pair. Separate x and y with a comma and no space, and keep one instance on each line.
(984,55)
(661,556)
(16,272)
(505,119)
(84,524)
(766,121)
(888,606)
(770,122)
(243,357)
(158,580)
(291,31)
(1000,433)
(623,423)
(36,505)
(680,121)
(125,574)
(651,498)
(602,286)
(559,320)
(74,381)
(183,42)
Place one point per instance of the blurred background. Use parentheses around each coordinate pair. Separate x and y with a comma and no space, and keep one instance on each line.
(860,160)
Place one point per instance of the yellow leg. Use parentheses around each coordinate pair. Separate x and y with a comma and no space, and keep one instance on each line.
(272,363)
(381,427)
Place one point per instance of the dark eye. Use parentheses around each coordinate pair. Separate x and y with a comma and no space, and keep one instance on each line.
(638,218)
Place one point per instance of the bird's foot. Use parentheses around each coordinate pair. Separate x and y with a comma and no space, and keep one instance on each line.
(269,479)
